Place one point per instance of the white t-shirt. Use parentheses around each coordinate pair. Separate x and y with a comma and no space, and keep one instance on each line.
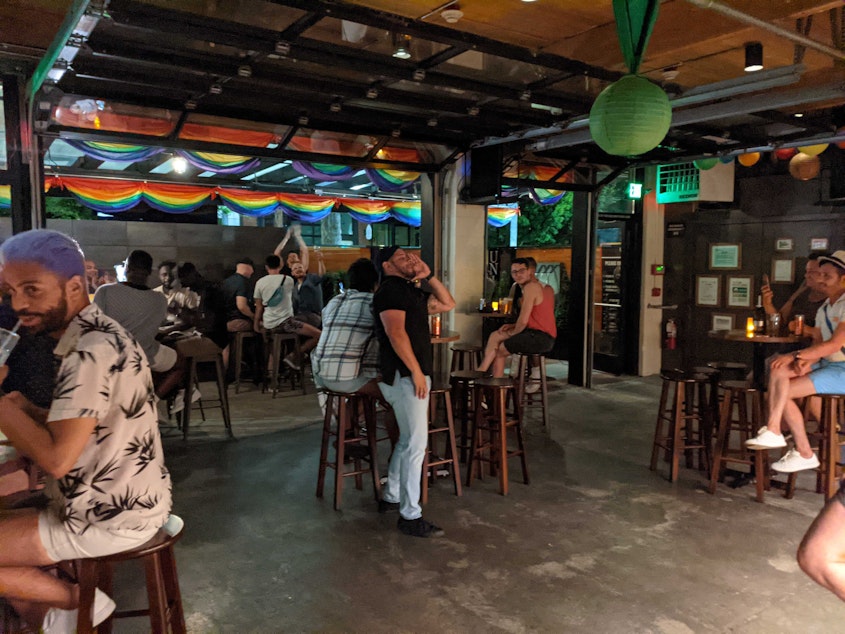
(827,319)
(264,290)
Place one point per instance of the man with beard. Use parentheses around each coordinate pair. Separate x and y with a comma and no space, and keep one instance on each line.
(408,294)
(182,303)
(99,444)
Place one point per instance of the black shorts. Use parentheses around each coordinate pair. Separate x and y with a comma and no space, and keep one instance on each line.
(530,341)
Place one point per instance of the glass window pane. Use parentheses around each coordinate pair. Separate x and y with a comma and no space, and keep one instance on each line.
(3,158)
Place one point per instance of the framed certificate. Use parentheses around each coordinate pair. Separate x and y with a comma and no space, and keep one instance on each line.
(722,322)
(784,244)
(740,291)
(707,290)
(725,256)
(783,270)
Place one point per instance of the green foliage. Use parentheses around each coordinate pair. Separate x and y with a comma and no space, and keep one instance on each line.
(538,225)
(67,209)
(613,197)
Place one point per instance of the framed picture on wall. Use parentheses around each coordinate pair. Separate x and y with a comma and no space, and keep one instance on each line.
(725,256)
(740,289)
(784,244)
(708,290)
(722,322)
(783,270)
(818,244)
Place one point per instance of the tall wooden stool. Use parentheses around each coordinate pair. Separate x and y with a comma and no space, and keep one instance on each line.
(736,400)
(280,342)
(198,350)
(465,357)
(342,423)
(523,376)
(238,344)
(685,415)
(463,404)
(489,437)
(163,596)
(832,416)
(436,428)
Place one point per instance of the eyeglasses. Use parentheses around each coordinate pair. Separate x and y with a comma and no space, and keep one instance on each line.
(522,270)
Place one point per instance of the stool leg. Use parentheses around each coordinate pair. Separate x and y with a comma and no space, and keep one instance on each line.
(677,423)
(832,446)
(155,594)
(520,443)
(761,469)
(172,592)
(424,476)
(503,441)
(189,382)
(222,394)
(324,447)
(87,576)
(544,394)
(472,460)
(453,449)
(372,441)
(239,353)
(342,423)
(276,354)
(717,471)
(658,430)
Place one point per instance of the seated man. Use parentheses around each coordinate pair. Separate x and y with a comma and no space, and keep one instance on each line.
(274,310)
(534,331)
(182,303)
(819,369)
(806,300)
(92,276)
(141,310)
(308,293)
(99,442)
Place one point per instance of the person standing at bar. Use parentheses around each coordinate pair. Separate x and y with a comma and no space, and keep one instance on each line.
(408,294)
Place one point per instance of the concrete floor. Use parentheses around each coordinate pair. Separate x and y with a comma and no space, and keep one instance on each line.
(596,542)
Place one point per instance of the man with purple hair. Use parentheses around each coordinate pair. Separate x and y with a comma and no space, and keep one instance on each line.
(99,444)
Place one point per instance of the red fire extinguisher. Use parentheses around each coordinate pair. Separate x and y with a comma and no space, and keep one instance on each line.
(671,334)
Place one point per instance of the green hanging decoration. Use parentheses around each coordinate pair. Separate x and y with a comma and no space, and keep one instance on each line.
(632,116)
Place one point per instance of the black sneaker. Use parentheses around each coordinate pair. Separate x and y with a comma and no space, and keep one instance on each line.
(419,528)
(385,507)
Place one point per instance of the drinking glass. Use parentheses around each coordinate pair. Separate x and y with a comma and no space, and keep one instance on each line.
(8,341)
(774,325)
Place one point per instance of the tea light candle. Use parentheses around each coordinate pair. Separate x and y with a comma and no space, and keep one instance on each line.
(749,327)
(495,306)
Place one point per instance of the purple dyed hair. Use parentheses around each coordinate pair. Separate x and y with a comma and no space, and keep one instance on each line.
(54,251)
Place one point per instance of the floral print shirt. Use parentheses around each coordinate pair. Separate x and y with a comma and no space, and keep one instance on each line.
(119,481)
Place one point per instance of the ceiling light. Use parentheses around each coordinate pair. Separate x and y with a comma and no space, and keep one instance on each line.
(473,111)
(432,123)
(303,119)
(396,132)
(335,105)
(419,74)
(245,71)
(799,114)
(452,15)
(401,46)
(191,104)
(525,96)
(215,89)
(372,92)
(753,57)
(180,164)
(282,48)
(401,53)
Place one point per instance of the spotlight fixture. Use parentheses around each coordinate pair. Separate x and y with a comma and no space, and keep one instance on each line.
(180,164)
(245,71)
(191,104)
(215,89)
(282,48)
(395,133)
(798,115)
(473,111)
(372,92)
(335,105)
(525,96)
(753,57)
(303,119)
(401,46)
(452,14)
(432,123)
(419,74)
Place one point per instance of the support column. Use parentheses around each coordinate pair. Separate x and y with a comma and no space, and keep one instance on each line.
(581,290)
(27,202)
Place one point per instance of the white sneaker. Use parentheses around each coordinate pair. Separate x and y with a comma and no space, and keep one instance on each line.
(793,462)
(178,402)
(58,621)
(533,387)
(766,439)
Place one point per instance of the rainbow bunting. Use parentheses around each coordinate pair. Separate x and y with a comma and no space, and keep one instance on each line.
(5,196)
(392,180)
(409,213)
(500,216)
(306,207)
(368,211)
(219,163)
(114,151)
(254,204)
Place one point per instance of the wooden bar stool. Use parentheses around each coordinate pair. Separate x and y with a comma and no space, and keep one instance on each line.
(832,417)
(164,605)
(684,414)
(465,357)
(436,428)
(736,399)
(342,422)
(523,377)
(463,404)
(198,350)
(489,437)
(729,370)
(238,344)
(280,342)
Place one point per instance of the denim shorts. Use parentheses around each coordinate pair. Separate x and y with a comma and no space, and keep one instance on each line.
(530,341)
(828,377)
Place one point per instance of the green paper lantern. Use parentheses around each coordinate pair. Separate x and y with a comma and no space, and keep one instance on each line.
(705,163)
(630,117)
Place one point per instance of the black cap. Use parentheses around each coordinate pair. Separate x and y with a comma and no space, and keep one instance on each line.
(246,261)
(384,254)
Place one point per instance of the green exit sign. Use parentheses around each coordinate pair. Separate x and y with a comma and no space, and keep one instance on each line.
(635,191)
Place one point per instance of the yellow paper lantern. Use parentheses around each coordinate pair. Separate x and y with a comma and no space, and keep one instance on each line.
(813,150)
(804,167)
(748,159)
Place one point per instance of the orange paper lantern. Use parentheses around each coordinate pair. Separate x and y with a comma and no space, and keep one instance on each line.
(748,159)
(804,167)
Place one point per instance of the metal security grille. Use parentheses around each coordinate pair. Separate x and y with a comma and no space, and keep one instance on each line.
(677,183)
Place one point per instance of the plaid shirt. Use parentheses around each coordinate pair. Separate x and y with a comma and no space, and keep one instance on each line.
(348,347)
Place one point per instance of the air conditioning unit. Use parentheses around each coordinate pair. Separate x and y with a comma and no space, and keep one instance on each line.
(684,182)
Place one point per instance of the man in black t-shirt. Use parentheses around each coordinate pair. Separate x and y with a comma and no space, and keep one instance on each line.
(408,294)
(237,296)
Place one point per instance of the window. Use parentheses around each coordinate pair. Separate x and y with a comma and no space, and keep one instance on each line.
(3,157)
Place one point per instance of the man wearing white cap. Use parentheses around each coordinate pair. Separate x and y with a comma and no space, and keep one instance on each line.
(818,369)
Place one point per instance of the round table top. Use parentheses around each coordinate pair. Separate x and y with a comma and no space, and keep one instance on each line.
(740,335)
(446,336)
(491,314)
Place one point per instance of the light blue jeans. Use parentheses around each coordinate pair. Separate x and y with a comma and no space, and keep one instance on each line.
(405,472)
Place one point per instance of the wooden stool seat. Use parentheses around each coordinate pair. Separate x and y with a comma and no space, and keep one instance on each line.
(493,420)
(436,428)
(198,350)
(523,377)
(687,418)
(342,422)
(465,357)
(736,396)
(163,595)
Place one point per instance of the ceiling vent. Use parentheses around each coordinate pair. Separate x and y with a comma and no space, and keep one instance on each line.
(684,182)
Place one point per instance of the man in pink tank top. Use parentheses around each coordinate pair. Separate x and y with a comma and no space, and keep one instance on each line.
(534,331)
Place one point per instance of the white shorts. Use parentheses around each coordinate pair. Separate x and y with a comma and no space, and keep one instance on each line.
(164,360)
(62,545)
